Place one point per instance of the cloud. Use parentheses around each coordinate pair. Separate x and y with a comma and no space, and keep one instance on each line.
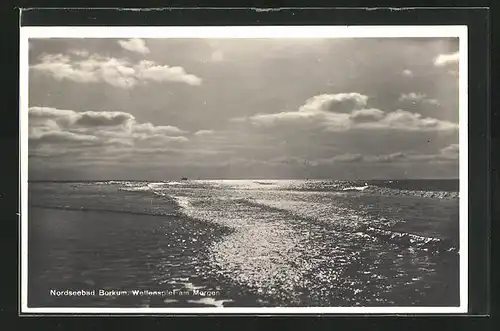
(394,157)
(148,70)
(67,118)
(116,72)
(152,129)
(367,115)
(203,132)
(415,98)
(59,127)
(347,158)
(159,139)
(451,150)
(61,136)
(161,152)
(418,97)
(405,120)
(49,112)
(79,52)
(283,118)
(134,45)
(407,73)
(434,102)
(123,156)
(337,103)
(398,157)
(412,96)
(94,118)
(447,59)
(332,113)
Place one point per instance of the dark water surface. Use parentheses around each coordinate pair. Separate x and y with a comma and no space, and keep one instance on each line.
(244,243)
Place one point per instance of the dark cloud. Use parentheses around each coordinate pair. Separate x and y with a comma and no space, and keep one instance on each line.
(56,126)
(65,118)
(62,136)
(92,118)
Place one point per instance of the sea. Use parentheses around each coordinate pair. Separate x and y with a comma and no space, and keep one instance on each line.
(243,243)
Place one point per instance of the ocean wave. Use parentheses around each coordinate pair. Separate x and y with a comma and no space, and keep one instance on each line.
(410,240)
(355,188)
(156,184)
(349,188)
(416,193)
(372,189)
(182,202)
(264,183)
(135,188)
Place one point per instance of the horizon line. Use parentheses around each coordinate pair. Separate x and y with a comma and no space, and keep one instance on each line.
(167,180)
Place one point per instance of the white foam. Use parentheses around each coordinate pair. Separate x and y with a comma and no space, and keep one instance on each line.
(154,185)
(183,202)
(211,302)
(356,188)
(138,188)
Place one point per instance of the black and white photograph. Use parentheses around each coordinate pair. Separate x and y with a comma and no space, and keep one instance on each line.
(301,169)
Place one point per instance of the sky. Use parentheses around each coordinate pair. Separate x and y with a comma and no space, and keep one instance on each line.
(161,109)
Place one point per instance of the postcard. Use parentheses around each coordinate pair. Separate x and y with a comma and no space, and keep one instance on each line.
(244,169)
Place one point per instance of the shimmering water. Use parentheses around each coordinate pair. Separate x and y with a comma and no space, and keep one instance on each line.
(245,243)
